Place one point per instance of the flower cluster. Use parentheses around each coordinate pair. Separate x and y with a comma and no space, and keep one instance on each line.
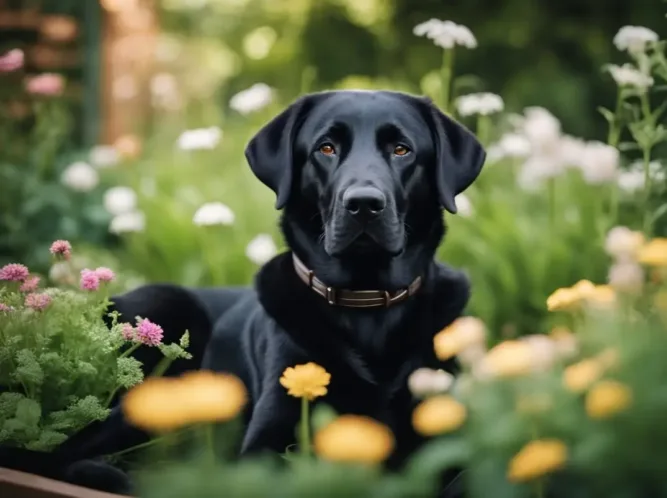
(446,34)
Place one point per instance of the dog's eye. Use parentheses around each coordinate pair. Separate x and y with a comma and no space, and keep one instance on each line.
(401,150)
(327,149)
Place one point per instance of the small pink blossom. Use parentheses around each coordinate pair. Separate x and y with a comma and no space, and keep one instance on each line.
(48,84)
(128,332)
(149,333)
(6,308)
(30,284)
(105,274)
(14,272)
(61,248)
(89,280)
(12,61)
(37,301)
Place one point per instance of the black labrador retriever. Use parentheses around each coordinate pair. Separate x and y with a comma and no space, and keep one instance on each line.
(362,177)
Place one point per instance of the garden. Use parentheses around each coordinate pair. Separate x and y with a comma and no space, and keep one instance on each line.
(562,389)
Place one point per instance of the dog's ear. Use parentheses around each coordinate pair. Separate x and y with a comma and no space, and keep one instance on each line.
(270,152)
(459,156)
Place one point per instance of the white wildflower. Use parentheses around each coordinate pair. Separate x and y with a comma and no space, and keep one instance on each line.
(261,249)
(599,163)
(446,34)
(634,38)
(571,150)
(104,156)
(514,145)
(479,103)
(80,176)
(542,129)
(424,382)
(628,75)
(622,243)
(120,200)
(201,138)
(544,351)
(252,99)
(61,272)
(134,221)
(626,276)
(630,181)
(463,205)
(213,213)
(536,170)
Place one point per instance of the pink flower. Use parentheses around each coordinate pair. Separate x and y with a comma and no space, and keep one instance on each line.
(105,274)
(89,280)
(5,308)
(11,61)
(48,84)
(14,272)
(61,248)
(149,333)
(128,332)
(30,284)
(37,301)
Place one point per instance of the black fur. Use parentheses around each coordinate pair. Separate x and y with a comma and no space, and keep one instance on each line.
(257,333)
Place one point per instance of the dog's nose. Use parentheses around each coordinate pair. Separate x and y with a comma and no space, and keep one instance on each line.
(364,203)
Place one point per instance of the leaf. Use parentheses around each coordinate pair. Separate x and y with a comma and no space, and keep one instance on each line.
(438,455)
(29,412)
(627,146)
(659,213)
(607,114)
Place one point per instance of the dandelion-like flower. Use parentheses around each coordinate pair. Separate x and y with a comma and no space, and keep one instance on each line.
(30,284)
(105,274)
(38,302)
(308,381)
(446,34)
(438,415)
(354,439)
(89,280)
(628,75)
(134,221)
(14,272)
(80,177)
(479,103)
(12,61)
(199,139)
(61,248)
(607,398)
(213,213)
(163,404)
(536,459)
(511,145)
(252,99)
(634,39)
(424,382)
(149,333)
(120,200)
(127,332)
(261,249)
(464,206)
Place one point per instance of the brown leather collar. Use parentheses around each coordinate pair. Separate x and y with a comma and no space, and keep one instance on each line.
(353,298)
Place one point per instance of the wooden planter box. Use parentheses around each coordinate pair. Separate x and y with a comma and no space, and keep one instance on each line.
(15,484)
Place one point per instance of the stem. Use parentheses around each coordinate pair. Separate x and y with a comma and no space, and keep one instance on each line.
(137,447)
(130,350)
(646,108)
(614,128)
(539,488)
(111,396)
(446,74)
(161,367)
(305,429)
(208,436)
(552,203)
(647,191)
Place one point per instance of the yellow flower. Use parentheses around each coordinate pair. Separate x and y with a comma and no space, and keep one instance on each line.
(565,298)
(306,381)
(607,399)
(580,376)
(354,438)
(583,288)
(601,296)
(536,459)
(509,359)
(163,404)
(654,253)
(438,415)
(463,333)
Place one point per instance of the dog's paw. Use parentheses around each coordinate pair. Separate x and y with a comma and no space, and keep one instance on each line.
(98,475)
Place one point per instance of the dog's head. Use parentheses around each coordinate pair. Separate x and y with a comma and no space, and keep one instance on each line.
(365,164)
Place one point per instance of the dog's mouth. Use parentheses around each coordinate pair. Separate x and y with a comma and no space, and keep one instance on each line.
(363,243)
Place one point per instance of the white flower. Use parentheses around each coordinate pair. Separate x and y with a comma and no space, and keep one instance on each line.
(479,103)
(252,99)
(631,180)
(544,352)
(599,163)
(424,382)
(463,205)
(261,249)
(446,34)
(622,243)
(514,145)
(537,169)
(634,38)
(213,213)
(626,276)
(571,150)
(104,156)
(200,138)
(120,200)
(628,75)
(134,221)
(80,176)
(60,272)
(542,129)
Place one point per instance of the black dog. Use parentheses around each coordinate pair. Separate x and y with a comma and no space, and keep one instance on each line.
(362,177)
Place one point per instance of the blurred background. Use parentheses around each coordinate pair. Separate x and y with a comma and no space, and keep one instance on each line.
(124,130)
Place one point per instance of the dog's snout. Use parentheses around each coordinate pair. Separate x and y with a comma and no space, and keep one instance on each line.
(364,203)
